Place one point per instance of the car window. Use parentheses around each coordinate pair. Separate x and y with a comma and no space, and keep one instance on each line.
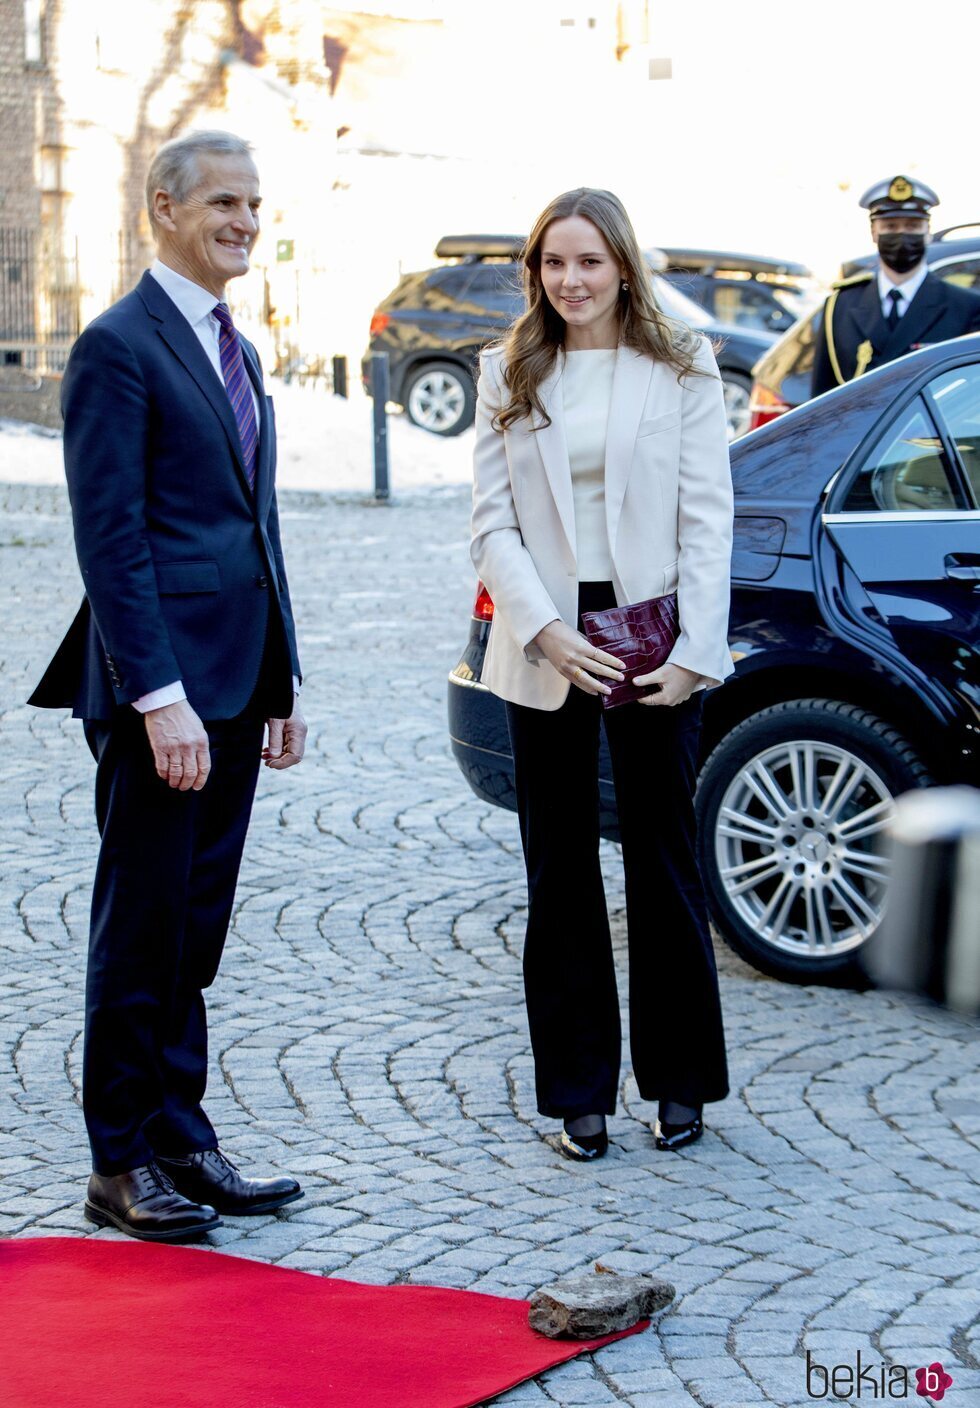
(496,288)
(956,395)
(454,280)
(749,306)
(907,470)
(965,273)
(677,305)
(693,286)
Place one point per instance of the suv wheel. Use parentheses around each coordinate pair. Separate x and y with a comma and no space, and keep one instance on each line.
(441,397)
(790,806)
(738,392)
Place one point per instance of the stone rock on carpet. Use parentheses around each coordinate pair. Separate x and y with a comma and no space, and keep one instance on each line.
(585,1307)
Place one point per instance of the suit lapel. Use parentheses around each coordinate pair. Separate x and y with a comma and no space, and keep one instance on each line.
(180,337)
(926,307)
(550,440)
(631,382)
(867,320)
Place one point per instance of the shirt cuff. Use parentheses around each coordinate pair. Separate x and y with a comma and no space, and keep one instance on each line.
(157,698)
(172,694)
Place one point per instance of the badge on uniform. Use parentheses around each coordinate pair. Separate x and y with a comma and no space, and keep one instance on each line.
(900,189)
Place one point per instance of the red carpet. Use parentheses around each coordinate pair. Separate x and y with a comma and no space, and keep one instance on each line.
(93,1324)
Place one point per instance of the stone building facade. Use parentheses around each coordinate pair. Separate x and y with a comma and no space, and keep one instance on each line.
(377,130)
(88,91)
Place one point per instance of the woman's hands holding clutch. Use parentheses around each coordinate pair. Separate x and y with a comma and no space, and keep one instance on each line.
(578,659)
(676,683)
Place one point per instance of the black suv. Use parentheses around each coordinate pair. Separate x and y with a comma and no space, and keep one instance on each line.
(434,324)
(743,290)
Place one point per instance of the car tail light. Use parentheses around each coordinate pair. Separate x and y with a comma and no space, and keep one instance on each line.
(765,405)
(483,606)
(378,323)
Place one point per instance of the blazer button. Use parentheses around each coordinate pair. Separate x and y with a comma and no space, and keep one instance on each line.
(261,581)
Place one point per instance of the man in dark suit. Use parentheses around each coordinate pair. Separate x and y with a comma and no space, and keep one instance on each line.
(876,316)
(182,654)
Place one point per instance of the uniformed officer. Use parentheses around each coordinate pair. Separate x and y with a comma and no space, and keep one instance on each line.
(878,315)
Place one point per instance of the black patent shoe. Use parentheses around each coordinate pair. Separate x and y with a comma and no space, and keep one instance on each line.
(144,1204)
(583,1148)
(677,1136)
(209,1174)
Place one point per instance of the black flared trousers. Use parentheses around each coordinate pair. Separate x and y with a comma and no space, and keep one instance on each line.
(677,1040)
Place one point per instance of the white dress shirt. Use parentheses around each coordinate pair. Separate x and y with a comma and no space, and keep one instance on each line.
(908,290)
(197,305)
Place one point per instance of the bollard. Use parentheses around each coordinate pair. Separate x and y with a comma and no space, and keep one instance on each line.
(379,390)
(929,937)
(340,376)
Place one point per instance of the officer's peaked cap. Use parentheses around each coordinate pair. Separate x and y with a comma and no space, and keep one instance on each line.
(899,195)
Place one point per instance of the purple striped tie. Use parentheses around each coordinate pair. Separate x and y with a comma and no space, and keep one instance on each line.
(239,388)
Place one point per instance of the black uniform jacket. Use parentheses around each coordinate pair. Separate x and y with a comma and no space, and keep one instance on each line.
(938,311)
(181,561)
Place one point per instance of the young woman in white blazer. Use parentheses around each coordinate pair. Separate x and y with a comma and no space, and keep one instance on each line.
(601,477)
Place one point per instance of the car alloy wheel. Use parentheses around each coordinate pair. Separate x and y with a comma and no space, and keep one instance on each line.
(738,392)
(794,846)
(792,805)
(441,398)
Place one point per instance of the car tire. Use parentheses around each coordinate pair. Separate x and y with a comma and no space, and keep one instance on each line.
(793,882)
(738,393)
(441,398)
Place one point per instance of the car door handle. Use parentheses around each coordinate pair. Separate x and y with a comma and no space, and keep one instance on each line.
(962,566)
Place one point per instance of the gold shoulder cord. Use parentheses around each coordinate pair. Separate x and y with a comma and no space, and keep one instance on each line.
(864,353)
(828,331)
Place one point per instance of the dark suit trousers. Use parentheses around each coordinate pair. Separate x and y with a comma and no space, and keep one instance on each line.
(676,1038)
(161,905)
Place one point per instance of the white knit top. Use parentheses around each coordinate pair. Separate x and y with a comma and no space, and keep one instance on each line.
(586,391)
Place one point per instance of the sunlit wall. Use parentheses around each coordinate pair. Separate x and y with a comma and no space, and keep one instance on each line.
(381,128)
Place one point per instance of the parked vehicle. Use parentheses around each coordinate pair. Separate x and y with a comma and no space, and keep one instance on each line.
(855,626)
(782,376)
(434,323)
(743,290)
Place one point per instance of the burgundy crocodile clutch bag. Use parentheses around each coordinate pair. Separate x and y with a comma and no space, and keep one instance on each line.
(641,635)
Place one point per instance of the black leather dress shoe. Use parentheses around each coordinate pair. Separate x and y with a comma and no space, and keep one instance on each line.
(144,1203)
(676,1136)
(583,1148)
(208,1174)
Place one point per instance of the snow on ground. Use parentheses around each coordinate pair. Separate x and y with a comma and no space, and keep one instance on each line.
(29,454)
(324,443)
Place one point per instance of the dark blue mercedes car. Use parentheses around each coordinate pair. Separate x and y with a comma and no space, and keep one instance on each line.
(855,628)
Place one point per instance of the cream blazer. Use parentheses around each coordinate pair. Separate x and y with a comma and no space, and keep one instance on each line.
(669,510)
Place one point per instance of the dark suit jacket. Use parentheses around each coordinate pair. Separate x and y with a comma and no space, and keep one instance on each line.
(182,564)
(938,311)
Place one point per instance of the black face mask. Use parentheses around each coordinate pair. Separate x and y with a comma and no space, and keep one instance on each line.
(901,252)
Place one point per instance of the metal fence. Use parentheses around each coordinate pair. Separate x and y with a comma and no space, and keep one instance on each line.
(40,301)
(48,294)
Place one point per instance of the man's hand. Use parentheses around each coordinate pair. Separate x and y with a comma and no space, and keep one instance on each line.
(676,682)
(575,657)
(180,746)
(287,741)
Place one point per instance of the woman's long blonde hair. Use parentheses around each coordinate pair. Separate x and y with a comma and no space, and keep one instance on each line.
(534,340)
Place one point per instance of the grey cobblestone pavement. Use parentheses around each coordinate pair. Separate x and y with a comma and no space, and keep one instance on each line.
(369,1032)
